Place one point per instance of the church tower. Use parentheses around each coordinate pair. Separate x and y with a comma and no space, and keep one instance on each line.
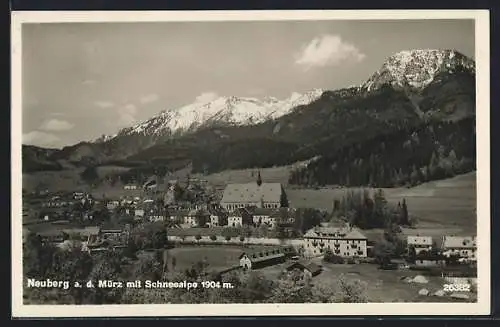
(259,179)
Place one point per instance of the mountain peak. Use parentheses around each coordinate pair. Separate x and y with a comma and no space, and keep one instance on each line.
(417,68)
(232,110)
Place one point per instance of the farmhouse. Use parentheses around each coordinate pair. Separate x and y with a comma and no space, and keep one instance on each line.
(139,212)
(130,187)
(419,243)
(254,259)
(258,194)
(178,216)
(218,217)
(463,246)
(262,216)
(342,241)
(239,217)
(309,269)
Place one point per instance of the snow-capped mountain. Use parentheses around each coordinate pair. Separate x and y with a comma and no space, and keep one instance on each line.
(415,69)
(230,110)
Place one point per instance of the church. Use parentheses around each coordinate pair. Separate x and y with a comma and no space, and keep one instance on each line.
(255,194)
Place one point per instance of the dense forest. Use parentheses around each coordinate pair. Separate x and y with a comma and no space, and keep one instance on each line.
(409,156)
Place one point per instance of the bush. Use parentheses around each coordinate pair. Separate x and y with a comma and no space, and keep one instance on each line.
(242,238)
(332,258)
(213,237)
(228,238)
(198,237)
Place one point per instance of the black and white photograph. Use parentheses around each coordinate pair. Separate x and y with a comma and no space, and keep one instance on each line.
(250,163)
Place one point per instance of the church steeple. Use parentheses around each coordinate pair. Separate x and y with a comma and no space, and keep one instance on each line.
(259,179)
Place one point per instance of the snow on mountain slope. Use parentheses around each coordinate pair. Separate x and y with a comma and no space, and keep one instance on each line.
(417,68)
(224,110)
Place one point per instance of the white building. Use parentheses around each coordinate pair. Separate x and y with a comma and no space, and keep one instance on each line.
(234,220)
(344,242)
(462,246)
(419,243)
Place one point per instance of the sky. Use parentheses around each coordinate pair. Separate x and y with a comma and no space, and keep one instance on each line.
(82,80)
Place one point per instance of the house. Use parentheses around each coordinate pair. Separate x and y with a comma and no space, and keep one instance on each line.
(258,258)
(262,216)
(240,217)
(258,194)
(344,241)
(154,214)
(419,243)
(309,269)
(429,260)
(139,212)
(234,219)
(462,246)
(197,218)
(130,187)
(112,205)
(178,216)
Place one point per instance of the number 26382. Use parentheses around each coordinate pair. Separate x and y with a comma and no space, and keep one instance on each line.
(456,287)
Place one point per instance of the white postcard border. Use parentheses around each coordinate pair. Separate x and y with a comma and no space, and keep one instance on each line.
(482,307)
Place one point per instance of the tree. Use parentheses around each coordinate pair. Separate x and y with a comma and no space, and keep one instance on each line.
(383,251)
(174,263)
(160,238)
(283,199)
(131,249)
(89,175)
(329,256)
(350,291)
(107,267)
(404,214)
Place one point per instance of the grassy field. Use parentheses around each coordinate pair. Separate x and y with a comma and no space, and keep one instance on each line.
(440,206)
(270,175)
(217,257)
(63,180)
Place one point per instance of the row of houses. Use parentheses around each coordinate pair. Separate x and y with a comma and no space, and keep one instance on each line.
(216,216)
(89,237)
(461,246)
(348,241)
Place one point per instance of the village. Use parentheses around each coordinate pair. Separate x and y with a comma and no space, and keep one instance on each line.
(249,226)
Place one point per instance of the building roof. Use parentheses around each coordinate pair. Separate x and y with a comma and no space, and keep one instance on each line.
(252,193)
(263,254)
(419,240)
(262,211)
(463,242)
(311,266)
(335,233)
(178,213)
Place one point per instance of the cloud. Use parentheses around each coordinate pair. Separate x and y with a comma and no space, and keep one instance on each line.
(56,125)
(328,50)
(88,82)
(206,97)
(104,104)
(150,98)
(127,114)
(40,138)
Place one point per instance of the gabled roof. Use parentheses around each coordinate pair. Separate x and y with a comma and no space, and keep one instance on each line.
(335,233)
(463,242)
(252,193)
(311,266)
(266,253)
(262,211)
